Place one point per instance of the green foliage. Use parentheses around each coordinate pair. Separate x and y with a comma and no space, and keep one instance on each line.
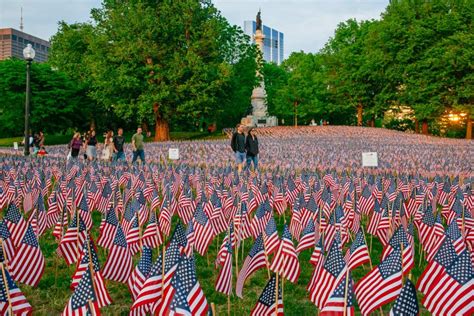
(419,54)
(56,102)
(175,60)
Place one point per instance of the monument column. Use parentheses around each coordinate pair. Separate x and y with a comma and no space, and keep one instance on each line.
(259,115)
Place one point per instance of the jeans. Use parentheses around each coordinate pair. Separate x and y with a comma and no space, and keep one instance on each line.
(120,155)
(139,153)
(253,159)
(239,157)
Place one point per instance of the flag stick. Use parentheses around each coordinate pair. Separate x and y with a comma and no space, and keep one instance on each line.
(91,307)
(228,305)
(401,247)
(10,308)
(140,242)
(213,308)
(91,266)
(276,296)
(163,272)
(266,257)
(346,290)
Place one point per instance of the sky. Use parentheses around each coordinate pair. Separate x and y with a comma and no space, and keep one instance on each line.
(307,24)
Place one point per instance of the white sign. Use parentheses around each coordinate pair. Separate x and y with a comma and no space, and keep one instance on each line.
(15,145)
(173,153)
(370,160)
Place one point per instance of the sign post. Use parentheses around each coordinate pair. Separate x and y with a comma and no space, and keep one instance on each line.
(173,153)
(370,159)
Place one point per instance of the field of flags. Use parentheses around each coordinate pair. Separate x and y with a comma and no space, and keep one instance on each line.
(312,232)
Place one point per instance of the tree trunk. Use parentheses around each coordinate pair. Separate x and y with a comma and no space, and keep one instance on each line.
(417,126)
(360,111)
(162,128)
(372,122)
(424,127)
(469,128)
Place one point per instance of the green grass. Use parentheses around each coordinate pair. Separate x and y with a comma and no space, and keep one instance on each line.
(64,139)
(52,293)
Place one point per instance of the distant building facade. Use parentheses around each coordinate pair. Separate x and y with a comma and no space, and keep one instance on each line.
(12,43)
(273,43)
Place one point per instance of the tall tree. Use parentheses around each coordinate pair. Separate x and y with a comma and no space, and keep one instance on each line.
(57,104)
(154,61)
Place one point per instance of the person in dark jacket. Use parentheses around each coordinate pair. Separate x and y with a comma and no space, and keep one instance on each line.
(251,146)
(238,146)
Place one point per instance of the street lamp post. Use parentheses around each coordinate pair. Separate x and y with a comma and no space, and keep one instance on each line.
(29,54)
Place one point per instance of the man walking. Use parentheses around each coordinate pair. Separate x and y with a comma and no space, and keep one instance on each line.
(238,146)
(119,140)
(137,145)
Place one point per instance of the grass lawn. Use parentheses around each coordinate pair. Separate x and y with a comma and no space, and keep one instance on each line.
(64,139)
(52,293)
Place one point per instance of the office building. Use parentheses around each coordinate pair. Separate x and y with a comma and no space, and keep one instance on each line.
(12,43)
(273,43)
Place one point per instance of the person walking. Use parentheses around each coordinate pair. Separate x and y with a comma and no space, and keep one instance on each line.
(75,144)
(90,144)
(238,146)
(119,140)
(251,146)
(137,146)
(108,150)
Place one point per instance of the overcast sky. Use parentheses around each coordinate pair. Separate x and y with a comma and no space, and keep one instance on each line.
(307,24)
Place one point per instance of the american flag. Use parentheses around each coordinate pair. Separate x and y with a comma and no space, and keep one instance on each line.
(452,293)
(202,230)
(407,302)
(224,279)
(7,247)
(84,300)
(15,223)
(260,220)
(152,234)
(270,237)
(189,294)
(399,240)
(286,261)
(70,244)
(366,201)
(85,213)
(381,285)
(105,198)
(172,259)
(329,276)
(140,273)
(118,266)
(165,217)
(254,261)
(308,238)
(454,234)
(108,230)
(342,298)
(152,290)
(133,236)
(8,288)
(188,249)
(27,265)
(443,259)
(87,261)
(358,253)
(266,304)
(179,304)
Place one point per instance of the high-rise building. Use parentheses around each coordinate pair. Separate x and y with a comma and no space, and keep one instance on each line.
(12,43)
(273,43)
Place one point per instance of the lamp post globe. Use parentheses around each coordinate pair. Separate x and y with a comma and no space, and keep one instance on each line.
(29,55)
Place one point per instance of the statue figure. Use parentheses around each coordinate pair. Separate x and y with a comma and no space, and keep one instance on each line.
(259,21)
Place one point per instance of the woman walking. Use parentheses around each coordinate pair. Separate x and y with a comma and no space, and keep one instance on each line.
(75,144)
(251,146)
(108,150)
(91,142)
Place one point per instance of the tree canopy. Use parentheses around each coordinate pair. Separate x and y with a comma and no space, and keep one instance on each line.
(160,62)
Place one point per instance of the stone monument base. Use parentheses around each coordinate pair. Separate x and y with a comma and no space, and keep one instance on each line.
(259,121)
